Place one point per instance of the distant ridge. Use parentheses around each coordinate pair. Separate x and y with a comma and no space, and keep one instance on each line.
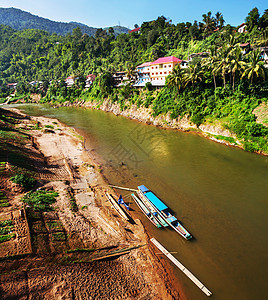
(19,20)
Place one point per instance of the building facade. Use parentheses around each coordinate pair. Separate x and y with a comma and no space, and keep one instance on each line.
(161,68)
(143,74)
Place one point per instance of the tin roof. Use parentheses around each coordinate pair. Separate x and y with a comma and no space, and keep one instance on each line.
(167,59)
(146,64)
(135,30)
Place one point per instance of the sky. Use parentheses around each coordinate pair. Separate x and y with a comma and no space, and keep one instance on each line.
(105,13)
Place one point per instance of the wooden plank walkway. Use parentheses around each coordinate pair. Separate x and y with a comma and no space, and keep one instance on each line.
(181,267)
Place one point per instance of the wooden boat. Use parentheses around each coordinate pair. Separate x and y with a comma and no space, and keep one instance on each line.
(117,207)
(152,209)
(163,211)
(146,211)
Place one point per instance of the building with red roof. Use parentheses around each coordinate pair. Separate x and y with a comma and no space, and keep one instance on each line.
(161,68)
(89,80)
(143,74)
(242,28)
(135,30)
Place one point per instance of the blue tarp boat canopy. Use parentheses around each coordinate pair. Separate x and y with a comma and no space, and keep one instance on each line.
(143,188)
(155,201)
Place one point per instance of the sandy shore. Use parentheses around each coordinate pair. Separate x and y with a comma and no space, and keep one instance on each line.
(137,274)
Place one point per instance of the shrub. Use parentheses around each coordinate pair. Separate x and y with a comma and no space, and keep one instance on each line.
(24,181)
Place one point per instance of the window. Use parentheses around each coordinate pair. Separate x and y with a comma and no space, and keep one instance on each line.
(169,72)
(160,73)
(156,67)
(165,72)
(161,66)
(152,67)
(156,73)
(165,66)
(152,73)
(169,66)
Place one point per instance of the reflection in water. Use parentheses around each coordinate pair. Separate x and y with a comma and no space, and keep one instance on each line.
(218,193)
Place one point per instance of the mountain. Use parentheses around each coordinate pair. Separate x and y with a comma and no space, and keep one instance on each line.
(19,19)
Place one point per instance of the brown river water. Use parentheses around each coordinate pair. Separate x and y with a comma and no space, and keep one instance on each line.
(219,194)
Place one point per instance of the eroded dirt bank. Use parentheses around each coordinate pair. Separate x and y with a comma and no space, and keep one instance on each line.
(144,115)
(82,249)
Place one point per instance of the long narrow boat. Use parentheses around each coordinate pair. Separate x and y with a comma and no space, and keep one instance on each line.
(146,211)
(163,211)
(117,207)
(152,209)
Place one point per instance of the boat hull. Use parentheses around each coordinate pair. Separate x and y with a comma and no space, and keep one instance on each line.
(163,211)
(146,211)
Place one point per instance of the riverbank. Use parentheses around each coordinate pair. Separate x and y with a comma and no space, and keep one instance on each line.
(214,131)
(55,272)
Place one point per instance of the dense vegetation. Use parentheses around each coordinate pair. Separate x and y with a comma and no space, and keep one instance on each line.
(19,20)
(226,86)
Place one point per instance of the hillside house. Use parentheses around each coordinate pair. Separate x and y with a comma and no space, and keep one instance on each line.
(12,85)
(120,78)
(200,55)
(264,54)
(241,28)
(34,83)
(135,30)
(245,48)
(89,80)
(143,74)
(161,68)
(69,81)
(184,64)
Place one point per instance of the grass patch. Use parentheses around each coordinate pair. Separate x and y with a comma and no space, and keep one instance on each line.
(49,126)
(4,204)
(58,236)
(40,200)
(6,237)
(225,138)
(6,230)
(73,203)
(6,223)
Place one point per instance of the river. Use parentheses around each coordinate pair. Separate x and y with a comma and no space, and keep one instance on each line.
(219,193)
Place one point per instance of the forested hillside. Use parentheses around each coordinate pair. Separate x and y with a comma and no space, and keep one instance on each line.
(227,85)
(19,19)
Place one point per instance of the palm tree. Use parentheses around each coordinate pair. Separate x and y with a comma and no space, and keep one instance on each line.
(211,61)
(236,64)
(222,66)
(254,68)
(219,20)
(130,72)
(209,23)
(176,78)
(193,75)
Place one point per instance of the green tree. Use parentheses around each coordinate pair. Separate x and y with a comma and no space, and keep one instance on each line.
(209,23)
(254,69)
(252,19)
(211,63)
(236,64)
(193,75)
(219,21)
(176,79)
(263,22)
